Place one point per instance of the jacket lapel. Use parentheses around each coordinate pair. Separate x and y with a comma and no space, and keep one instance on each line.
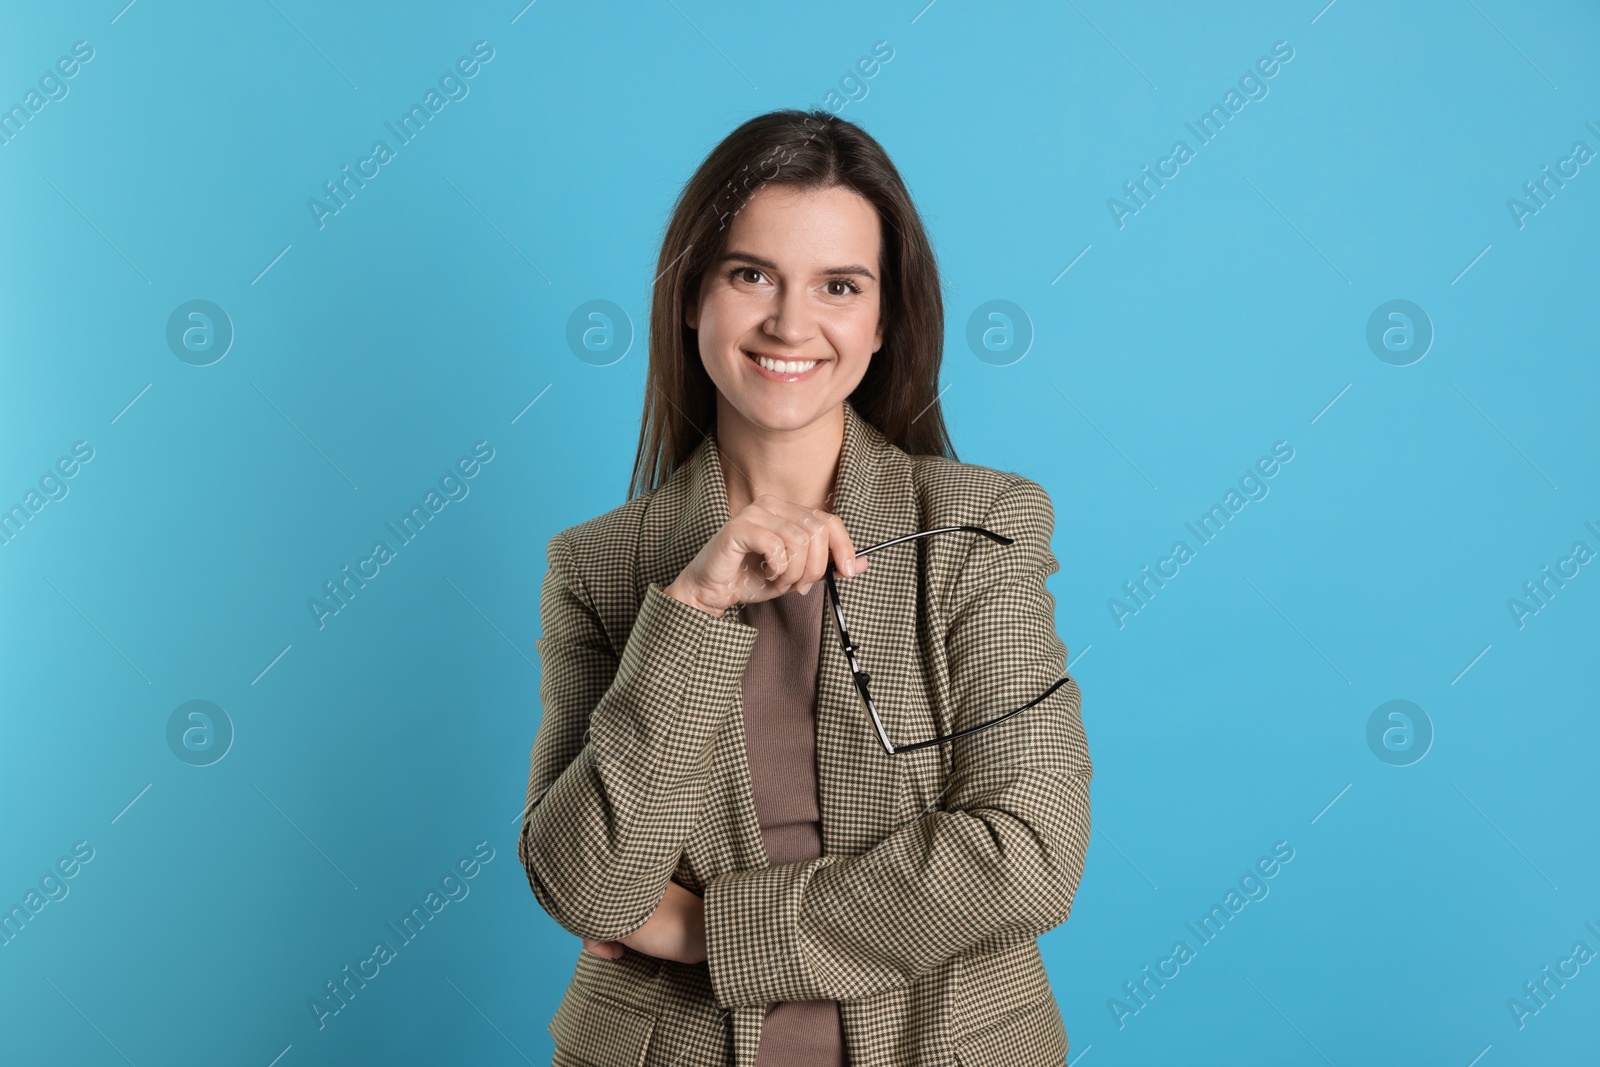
(858,783)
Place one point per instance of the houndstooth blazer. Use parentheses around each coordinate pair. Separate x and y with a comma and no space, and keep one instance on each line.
(940,867)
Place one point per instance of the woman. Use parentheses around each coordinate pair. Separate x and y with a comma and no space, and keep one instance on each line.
(711,807)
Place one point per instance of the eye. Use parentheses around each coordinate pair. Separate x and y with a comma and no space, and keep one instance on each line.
(734,274)
(852,286)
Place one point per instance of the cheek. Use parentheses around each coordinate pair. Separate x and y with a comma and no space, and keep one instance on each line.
(855,333)
(723,325)
(722,321)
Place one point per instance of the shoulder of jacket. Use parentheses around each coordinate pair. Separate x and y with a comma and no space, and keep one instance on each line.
(956,493)
(620,522)
(602,553)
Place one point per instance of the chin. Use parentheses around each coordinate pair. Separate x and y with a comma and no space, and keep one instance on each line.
(779,415)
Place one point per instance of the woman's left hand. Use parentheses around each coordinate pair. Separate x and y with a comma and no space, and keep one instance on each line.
(675,931)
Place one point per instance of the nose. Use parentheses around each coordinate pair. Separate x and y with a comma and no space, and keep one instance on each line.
(791,320)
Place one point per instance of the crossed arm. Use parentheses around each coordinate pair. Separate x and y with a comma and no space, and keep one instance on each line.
(609,813)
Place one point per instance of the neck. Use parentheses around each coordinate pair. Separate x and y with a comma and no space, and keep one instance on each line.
(797,465)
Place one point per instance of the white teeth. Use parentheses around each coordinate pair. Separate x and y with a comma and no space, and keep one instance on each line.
(780,367)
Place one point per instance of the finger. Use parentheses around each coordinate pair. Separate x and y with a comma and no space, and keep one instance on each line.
(817,552)
(747,586)
(784,568)
(783,564)
(821,540)
(755,532)
(799,540)
(845,560)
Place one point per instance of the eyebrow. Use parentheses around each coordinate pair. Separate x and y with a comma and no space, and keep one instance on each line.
(769,265)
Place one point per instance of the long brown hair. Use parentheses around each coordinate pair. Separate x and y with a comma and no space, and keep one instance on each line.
(806,150)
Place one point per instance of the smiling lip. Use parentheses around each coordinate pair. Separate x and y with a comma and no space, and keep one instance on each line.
(777,377)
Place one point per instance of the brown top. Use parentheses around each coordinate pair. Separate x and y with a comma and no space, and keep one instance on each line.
(780,717)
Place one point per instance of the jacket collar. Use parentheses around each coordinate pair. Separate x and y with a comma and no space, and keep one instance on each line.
(704,509)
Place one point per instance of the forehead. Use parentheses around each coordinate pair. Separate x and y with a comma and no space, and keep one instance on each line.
(800,228)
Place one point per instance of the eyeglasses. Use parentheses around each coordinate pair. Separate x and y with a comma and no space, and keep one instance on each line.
(862,677)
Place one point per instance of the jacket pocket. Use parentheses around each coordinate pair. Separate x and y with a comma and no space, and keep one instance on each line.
(1033,1034)
(596,1031)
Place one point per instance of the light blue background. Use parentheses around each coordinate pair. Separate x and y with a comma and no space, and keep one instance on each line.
(1228,314)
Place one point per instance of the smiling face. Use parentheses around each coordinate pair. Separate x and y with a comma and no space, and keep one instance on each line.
(798,284)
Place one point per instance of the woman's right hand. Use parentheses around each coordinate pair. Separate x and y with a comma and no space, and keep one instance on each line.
(770,547)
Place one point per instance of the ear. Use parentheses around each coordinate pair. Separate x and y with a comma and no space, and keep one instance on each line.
(691,314)
(877,338)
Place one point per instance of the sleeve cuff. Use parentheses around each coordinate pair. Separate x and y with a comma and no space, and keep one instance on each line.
(754,949)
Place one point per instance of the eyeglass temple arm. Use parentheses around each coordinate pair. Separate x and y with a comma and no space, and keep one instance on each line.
(895,750)
(990,534)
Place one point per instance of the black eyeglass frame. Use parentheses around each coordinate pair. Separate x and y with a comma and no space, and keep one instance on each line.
(862,677)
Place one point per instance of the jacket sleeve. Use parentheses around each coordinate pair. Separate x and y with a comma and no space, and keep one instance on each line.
(621,761)
(1000,862)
